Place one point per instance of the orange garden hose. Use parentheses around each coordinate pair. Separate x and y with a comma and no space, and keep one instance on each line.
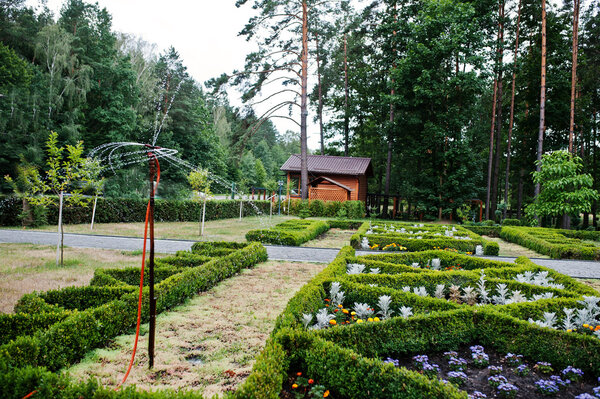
(139,314)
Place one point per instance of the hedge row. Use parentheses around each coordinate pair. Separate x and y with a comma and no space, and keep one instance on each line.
(78,331)
(346,359)
(292,232)
(124,210)
(556,243)
(318,208)
(431,238)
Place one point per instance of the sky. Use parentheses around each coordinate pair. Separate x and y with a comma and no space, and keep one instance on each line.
(204,32)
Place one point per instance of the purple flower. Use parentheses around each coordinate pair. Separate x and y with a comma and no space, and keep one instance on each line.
(457,377)
(420,359)
(585,396)
(495,370)
(480,359)
(513,359)
(457,364)
(507,390)
(547,387)
(522,370)
(572,373)
(450,354)
(477,395)
(476,348)
(559,381)
(496,380)
(395,362)
(544,367)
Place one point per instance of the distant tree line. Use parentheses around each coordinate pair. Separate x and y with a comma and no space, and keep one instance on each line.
(74,75)
(425,88)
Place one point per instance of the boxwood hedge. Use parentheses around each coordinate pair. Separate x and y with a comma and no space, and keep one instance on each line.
(347,359)
(54,329)
(292,232)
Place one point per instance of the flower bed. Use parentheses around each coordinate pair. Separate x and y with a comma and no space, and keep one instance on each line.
(556,243)
(319,333)
(292,232)
(420,237)
(107,309)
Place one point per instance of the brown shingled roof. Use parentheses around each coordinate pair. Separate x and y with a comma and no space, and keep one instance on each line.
(329,164)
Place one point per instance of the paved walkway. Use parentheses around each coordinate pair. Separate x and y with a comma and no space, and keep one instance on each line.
(573,268)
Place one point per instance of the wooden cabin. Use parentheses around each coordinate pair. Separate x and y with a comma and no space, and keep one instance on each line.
(330,178)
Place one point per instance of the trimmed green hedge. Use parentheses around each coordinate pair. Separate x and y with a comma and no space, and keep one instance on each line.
(346,359)
(318,208)
(431,237)
(491,231)
(62,343)
(125,210)
(292,232)
(556,243)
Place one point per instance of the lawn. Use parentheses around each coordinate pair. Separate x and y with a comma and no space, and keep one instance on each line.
(514,250)
(27,267)
(214,230)
(334,238)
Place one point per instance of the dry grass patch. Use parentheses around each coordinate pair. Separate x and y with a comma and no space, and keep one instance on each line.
(214,230)
(210,342)
(26,268)
(334,238)
(514,250)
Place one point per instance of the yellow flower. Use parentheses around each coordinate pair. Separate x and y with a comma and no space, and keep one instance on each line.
(294,386)
(326,393)
(569,330)
(353,313)
(332,322)
(376,319)
(370,319)
(359,321)
(586,325)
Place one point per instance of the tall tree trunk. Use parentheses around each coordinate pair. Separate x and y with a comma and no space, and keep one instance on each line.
(320,97)
(491,156)
(512,112)
(542,126)
(304,105)
(494,195)
(346,115)
(573,73)
(388,165)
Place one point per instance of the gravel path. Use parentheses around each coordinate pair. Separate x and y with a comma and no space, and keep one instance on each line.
(573,268)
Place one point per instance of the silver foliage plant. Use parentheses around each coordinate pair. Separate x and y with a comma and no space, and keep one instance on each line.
(363,310)
(574,318)
(384,304)
(540,279)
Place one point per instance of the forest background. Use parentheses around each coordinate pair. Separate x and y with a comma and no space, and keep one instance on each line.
(411,84)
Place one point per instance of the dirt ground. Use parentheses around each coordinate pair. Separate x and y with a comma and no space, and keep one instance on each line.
(210,342)
(26,268)
(333,238)
(515,250)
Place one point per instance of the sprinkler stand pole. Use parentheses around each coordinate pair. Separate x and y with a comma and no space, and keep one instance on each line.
(151,334)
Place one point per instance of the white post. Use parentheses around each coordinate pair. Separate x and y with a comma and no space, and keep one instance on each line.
(94,213)
(203,213)
(241,205)
(60,206)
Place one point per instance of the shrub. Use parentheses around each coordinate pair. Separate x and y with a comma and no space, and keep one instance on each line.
(511,222)
(292,232)
(491,248)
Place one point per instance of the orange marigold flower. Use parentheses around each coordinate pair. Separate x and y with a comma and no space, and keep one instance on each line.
(345,311)
(332,322)
(298,373)
(327,300)
(597,328)
(294,386)
(326,393)
(340,306)
(311,381)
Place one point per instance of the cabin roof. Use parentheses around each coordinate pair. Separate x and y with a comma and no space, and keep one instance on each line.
(332,165)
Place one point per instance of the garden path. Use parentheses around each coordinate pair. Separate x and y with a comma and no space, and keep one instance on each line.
(573,268)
